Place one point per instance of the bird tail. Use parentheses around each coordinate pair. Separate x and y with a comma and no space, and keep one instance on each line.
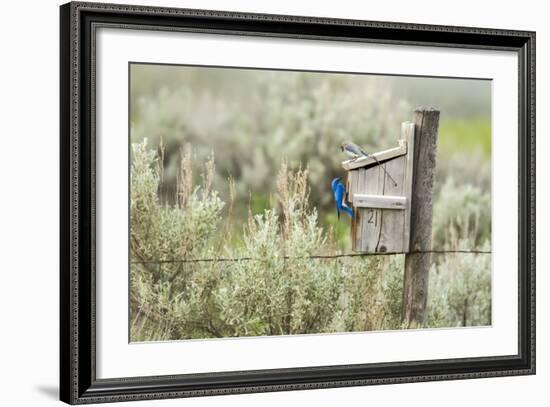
(363,152)
(348,210)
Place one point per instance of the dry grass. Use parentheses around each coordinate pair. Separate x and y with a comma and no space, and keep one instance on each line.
(185,178)
(292,194)
(276,288)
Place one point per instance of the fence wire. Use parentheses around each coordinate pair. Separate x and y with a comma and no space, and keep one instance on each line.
(313,257)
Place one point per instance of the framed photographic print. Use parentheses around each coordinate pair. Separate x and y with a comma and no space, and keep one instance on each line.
(255,203)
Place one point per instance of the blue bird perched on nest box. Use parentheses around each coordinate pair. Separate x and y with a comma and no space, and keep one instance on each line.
(339,192)
(354,151)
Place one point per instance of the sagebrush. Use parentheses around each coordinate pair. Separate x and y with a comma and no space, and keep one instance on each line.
(192,276)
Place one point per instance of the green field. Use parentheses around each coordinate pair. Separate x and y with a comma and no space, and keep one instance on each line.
(471,135)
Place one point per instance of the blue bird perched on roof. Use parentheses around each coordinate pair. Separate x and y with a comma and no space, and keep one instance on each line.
(339,192)
(354,151)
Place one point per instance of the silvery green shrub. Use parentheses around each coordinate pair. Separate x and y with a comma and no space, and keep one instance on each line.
(277,275)
(262,118)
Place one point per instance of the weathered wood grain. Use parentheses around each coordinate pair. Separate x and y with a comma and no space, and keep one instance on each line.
(371,181)
(378,227)
(375,228)
(392,222)
(380,156)
(407,136)
(380,201)
(417,265)
(353,188)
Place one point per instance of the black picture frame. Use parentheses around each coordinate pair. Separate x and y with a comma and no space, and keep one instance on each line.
(78,382)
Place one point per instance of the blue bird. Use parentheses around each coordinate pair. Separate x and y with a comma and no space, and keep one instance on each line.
(354,151)
(339,192)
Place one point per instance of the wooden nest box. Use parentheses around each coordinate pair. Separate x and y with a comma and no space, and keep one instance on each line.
(382,207)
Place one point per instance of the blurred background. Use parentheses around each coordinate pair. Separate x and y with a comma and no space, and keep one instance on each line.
(266,202)
(251,120)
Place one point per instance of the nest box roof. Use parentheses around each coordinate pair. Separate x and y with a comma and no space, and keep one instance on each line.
(381,156)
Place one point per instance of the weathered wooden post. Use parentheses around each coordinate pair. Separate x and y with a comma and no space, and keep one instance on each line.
(418,261)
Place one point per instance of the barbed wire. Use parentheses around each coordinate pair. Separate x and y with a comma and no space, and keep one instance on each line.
(313,257)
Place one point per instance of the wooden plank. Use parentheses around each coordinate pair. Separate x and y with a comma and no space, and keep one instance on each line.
(351,186)
(380,156)
(417,263)
(359,214)
(363,219)
(407,134)
(392,221)
(372,183)
(379,201)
